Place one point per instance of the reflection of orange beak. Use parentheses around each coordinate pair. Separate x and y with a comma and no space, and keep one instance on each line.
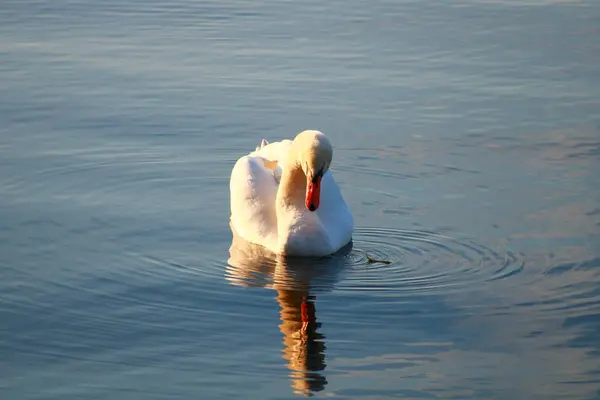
(313,194)
(307,311)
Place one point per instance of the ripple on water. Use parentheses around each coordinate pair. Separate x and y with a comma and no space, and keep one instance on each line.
(417,262)
(423,262)
(127,178)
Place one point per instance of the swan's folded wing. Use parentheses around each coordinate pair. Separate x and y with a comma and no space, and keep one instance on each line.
(253,190)
(276,151)
(334,213)
(275,155)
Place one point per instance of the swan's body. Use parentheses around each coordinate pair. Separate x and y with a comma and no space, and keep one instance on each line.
(284,197)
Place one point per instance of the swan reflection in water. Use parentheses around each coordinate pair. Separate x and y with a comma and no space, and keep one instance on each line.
(296,281)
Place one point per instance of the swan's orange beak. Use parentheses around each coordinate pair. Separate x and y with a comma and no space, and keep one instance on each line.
(313,193)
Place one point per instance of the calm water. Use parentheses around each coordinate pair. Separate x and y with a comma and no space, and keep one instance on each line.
(467,140)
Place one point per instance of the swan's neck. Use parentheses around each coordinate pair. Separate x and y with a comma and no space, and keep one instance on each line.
(292,188)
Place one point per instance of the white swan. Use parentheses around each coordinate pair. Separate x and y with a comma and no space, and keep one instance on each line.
(284,197)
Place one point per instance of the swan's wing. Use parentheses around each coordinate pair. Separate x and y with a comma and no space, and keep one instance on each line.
(334,214)
(276,155)
(253,190)
(276,151)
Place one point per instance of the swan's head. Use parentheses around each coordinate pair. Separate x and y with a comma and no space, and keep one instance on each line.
(314,154)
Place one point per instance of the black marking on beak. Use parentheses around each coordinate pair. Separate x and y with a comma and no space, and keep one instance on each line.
(318,175)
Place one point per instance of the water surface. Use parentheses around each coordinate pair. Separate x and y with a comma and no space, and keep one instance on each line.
(467,144)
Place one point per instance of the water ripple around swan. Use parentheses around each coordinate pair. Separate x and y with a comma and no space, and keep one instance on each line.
(383,261)
(402,262)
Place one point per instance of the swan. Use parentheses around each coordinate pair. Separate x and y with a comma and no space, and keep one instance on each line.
(284,198)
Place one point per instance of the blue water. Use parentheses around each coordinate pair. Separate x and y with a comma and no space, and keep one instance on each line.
(467,144)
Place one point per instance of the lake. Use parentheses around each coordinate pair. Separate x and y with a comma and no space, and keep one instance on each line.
(467,145)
